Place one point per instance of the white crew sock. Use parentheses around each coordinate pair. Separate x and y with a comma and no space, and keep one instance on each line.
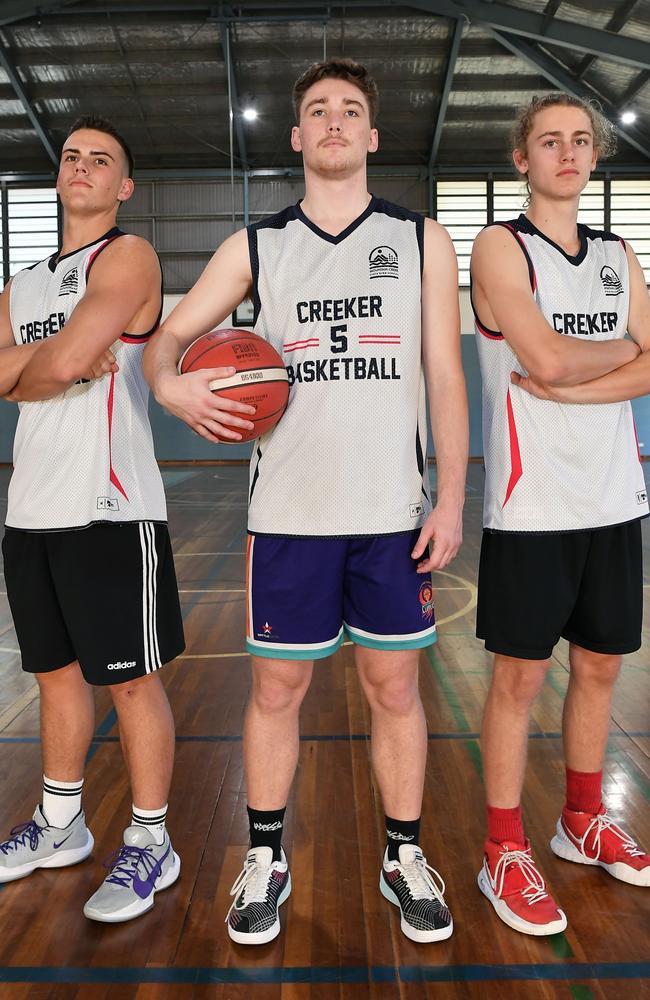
(152,819)
(61,801)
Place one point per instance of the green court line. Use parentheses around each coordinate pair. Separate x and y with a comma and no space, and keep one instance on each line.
(557,687)
(581,993)
(447,688)
(560,946)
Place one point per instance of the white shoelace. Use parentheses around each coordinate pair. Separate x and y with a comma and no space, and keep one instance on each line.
(602,822)
(423,880)
(254,880)
(536,888)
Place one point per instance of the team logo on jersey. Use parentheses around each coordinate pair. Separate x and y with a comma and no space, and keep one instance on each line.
(642,497)
(426,600)
(70,283)
(611,281)
(107,503)
(383,263)
(416,509)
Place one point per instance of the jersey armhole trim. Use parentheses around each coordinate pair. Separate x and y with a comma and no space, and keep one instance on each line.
(481,327)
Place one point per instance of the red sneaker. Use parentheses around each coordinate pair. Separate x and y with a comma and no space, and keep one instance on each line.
(596,840)
(517,891)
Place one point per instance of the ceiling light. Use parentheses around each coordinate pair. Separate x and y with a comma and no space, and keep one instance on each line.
(250,114)
(628,117)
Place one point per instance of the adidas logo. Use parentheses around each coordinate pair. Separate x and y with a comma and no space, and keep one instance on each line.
(399,836)
(121,665)
(266,827)
(70,282)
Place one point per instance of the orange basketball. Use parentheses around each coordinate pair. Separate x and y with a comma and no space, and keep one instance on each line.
(260,380)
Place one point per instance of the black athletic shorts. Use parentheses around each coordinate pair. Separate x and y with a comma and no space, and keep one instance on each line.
(586,586)
(105,595)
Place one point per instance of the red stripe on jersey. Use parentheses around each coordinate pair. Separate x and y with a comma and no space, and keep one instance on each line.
(299,345)
(515,456)
(140,339)
(490,334)
(112,476)
(91,259)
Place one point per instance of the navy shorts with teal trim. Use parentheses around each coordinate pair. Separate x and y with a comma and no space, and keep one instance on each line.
(305,595)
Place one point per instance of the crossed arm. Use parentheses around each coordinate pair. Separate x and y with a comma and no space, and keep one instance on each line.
(504,300)
(81,349)
(628,381)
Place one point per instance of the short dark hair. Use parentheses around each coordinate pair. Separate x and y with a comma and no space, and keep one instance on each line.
(99,124)
(337,68)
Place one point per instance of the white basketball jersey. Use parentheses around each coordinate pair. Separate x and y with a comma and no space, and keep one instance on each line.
(348,457)
(559,466)
(86,455)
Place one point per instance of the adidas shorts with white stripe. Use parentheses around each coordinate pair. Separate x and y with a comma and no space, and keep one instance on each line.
(105,595)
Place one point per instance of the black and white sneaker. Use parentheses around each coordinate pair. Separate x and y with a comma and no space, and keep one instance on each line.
(259,890)
(418,890)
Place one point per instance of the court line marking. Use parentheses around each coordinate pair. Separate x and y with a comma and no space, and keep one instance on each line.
(100,738)
(562,971)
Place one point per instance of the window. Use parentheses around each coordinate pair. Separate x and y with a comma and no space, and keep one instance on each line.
(33,227)
(630,217)
(462,210)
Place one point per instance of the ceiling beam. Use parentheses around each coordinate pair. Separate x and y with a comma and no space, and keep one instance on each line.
(638,83)
(456,36)
(21,10)
(616,22)
(227,46)
(528,24)
(8,65)
(556,74)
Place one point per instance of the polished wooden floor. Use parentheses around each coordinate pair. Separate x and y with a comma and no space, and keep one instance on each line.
(340,939)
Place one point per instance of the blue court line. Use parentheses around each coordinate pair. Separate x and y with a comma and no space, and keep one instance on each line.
(101,737)
(330,974)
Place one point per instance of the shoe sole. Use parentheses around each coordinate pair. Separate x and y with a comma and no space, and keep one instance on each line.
(512,920)
(562,846)
(412,933)
(261,937)
(139,906)
(62,859)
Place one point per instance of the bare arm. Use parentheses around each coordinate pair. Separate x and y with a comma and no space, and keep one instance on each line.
(223,285)
(503,298)
(628,382)
(447,398)
(13,357)
(124,280)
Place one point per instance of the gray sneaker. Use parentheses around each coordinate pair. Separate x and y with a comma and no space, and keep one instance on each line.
(36,845)
(137,871)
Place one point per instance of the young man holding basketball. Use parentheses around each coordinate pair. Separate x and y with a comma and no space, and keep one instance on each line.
(354,292)
(561,553)
(87,558)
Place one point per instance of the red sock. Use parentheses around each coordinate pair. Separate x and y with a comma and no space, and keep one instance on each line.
(584,791)
(505,824)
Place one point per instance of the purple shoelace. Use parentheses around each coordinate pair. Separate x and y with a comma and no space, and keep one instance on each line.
(19,834)
(124,862)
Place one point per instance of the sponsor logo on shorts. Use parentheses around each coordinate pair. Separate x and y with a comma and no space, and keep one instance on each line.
(266,631)
(642,497)
(107,503)
(267,827)
(415,509)
(384,263)
(611,281)
(121,665)
(426,600)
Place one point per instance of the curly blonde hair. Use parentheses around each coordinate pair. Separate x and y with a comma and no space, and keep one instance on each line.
(604,131)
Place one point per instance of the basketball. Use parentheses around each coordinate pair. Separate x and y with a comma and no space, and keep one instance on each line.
(260,380)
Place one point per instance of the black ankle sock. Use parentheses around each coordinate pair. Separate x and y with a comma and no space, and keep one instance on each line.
(266,828)
(398,832)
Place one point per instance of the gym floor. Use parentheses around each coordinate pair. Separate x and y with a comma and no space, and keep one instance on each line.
(340,938)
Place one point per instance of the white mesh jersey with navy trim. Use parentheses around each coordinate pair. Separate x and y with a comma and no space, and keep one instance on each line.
(557,466)
(348,458)
(86,455)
